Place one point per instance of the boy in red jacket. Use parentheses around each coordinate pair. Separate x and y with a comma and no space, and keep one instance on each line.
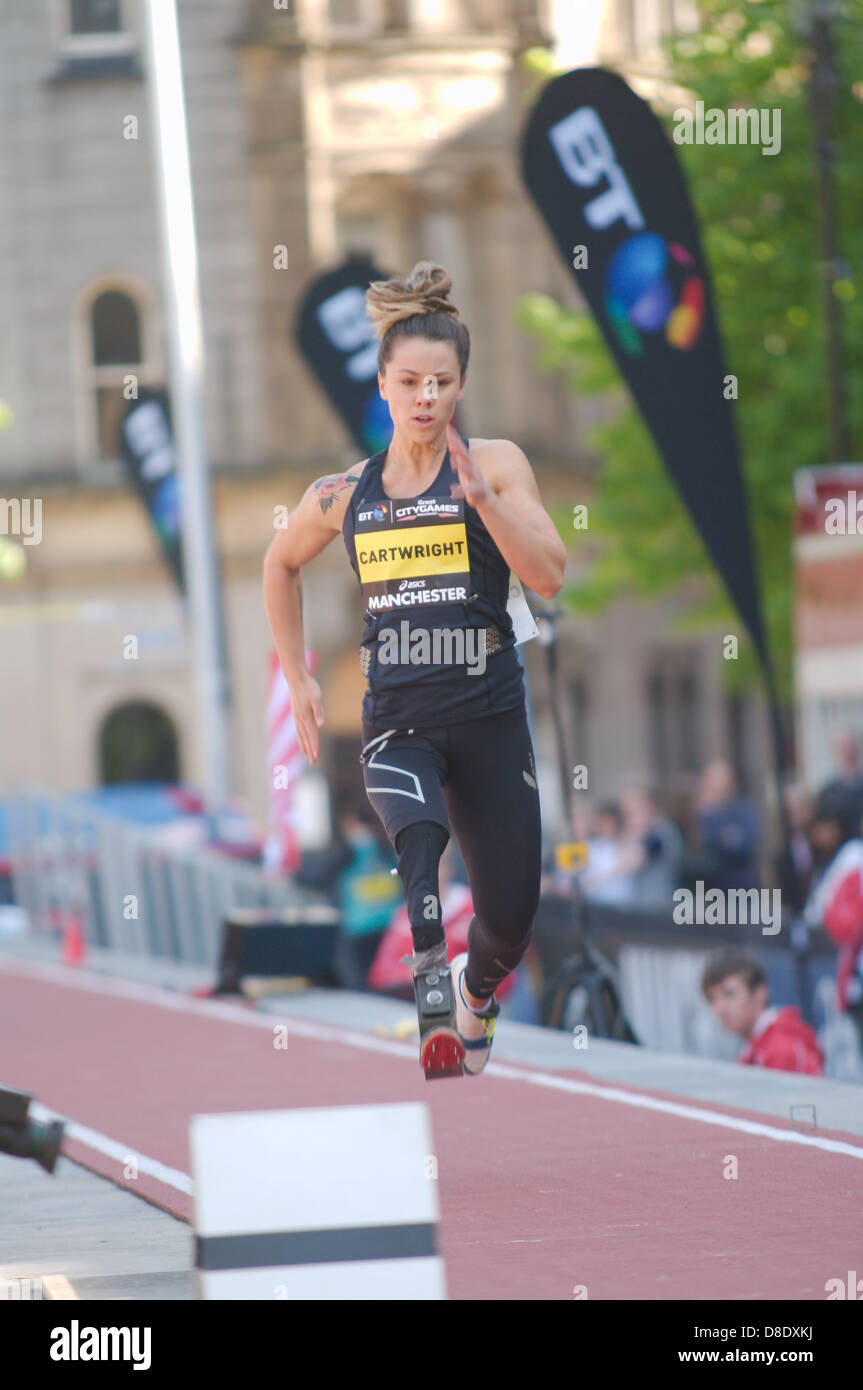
(735,987)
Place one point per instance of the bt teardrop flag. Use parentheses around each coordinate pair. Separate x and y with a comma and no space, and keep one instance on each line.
(605,177)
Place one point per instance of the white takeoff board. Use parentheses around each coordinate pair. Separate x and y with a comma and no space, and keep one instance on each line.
(316,1203)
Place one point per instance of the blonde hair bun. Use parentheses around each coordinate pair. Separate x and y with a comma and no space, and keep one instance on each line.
(423,291)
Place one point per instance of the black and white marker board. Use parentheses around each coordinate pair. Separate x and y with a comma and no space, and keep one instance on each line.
(325,1203)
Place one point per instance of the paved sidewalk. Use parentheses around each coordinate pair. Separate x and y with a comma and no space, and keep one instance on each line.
(108,1243)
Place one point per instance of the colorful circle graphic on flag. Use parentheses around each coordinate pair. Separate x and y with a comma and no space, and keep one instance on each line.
(377,425)
(651,286)
(166,507)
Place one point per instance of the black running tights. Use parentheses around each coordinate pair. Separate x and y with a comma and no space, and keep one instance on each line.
(478,780)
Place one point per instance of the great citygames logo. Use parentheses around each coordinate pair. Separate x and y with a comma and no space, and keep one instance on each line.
(650,284)
(651,287)
(427,506)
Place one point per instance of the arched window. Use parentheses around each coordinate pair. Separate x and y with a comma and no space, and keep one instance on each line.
(116,353)
(116,330)
(115,340)
(138,743)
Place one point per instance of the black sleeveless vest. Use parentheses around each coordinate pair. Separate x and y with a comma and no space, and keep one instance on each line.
(432,580)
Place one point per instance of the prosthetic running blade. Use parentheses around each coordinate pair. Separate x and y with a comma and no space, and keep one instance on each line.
(441,1047)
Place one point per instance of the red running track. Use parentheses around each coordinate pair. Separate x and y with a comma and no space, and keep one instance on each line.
(540,1190)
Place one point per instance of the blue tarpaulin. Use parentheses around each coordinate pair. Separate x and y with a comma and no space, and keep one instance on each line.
(144,803)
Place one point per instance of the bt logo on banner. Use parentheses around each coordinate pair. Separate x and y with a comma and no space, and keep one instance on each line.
(586,155)
(346,324)
(344,319)
(650,284)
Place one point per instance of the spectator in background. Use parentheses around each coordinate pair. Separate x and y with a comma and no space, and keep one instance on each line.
(843,921)
(561,881)
(368,895)
(608,876)
(831,841)
(796,861)
(835,902)
(844,792)
(735,987)
(656,848)
(320,868)
(728,829)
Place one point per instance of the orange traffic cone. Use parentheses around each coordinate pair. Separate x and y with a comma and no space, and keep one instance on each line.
(73,949)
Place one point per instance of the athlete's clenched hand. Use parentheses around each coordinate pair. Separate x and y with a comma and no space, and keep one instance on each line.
(308,710)
(474,485)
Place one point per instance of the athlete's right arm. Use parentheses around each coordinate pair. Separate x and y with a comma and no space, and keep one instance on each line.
(311,526)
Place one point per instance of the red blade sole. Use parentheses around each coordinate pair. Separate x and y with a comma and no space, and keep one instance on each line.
(442,1054)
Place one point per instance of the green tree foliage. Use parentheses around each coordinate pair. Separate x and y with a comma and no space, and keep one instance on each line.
(758,219)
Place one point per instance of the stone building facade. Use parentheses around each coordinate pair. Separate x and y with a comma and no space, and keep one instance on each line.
(388,127)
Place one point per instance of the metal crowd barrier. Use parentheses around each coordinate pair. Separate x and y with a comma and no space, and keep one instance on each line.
(134,892)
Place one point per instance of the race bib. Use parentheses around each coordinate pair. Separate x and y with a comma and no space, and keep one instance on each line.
(412,553)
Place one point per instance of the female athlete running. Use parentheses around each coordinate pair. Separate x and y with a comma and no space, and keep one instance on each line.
(432,530)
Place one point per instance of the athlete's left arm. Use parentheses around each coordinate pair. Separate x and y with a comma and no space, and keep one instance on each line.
(507,498)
